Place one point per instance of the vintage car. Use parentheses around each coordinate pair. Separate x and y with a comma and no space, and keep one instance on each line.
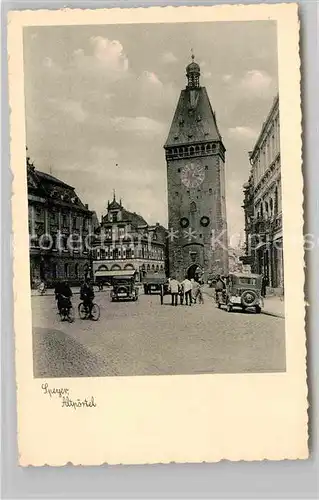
(124,288)
(243,291)
(153,283)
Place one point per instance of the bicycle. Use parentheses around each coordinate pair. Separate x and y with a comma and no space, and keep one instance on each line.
(67,313)
(84,311)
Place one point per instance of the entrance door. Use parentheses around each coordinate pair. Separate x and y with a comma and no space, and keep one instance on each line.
(194,271)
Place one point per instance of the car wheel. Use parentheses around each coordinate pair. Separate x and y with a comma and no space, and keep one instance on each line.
(248,298)
(229,308)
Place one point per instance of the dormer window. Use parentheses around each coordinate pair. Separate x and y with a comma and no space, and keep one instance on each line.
(114,217)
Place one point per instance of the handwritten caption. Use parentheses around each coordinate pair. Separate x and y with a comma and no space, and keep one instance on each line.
(63,394)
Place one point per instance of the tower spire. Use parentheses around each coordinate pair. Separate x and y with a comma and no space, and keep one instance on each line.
(113,194)
(192,73)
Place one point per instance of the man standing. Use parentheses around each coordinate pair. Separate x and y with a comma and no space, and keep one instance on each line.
(174,287)
(187,285)
(220,286)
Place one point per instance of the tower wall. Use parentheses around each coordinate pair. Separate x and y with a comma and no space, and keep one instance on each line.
(204,245)
(195,158)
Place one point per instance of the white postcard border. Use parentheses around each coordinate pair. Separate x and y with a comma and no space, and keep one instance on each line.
(191,418)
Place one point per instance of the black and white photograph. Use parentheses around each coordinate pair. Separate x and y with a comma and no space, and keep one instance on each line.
(154,196)
(157,222)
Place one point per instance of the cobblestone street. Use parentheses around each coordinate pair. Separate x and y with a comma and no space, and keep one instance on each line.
(145,338)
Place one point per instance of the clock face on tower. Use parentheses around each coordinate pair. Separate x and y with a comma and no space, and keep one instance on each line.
(192,174)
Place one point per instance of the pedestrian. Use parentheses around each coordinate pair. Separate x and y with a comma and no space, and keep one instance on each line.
(220,286)
(200,292)
(174,287)
(162,293)
(264,284)
(181,294)
(195,289)
(187,285)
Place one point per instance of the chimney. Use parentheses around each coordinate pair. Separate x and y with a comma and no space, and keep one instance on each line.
(86,206)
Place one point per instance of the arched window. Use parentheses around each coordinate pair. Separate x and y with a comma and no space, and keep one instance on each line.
(209,148)
(128,266)
(66,270)
(153,267)
(115,253)
(76,270)
(197,149)
(191,150)
(102,268)
(115,267)
(193,207)
(148,267)
(157,268)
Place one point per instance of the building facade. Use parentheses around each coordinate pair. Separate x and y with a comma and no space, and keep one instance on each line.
(125,241)
(195,157)
(60,226)
(263,204)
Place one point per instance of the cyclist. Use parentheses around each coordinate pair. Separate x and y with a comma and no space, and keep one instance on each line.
(63,294)
(87,295)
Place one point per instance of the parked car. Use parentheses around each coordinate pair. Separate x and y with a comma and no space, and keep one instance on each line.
(243,291)
(124,288)
(152,283)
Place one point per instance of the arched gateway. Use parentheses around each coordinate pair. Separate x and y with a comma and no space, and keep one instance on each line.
(194,271)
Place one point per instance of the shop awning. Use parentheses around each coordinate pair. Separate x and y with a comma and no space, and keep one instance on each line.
(117,272)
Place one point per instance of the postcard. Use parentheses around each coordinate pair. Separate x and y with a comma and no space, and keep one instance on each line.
(158,234)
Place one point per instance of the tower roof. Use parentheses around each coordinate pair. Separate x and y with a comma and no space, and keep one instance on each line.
(194,120)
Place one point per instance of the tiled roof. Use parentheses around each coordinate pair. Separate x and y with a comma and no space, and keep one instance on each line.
(194,120)
(50,179)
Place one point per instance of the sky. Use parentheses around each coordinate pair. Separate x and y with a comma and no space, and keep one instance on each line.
(100,99)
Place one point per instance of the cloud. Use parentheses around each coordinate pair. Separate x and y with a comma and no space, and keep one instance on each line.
(256,81)
(227,78)
(70,108)
(245,133)
(151,78)
(207,75)
(109,53)
(140,124)
(169,58)
(104,55)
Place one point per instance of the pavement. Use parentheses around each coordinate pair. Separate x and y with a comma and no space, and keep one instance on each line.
(147,338)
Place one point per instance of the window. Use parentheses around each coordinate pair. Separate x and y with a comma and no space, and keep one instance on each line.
(128,253)
(193,207)
(121,232)
(108,233)
(54,271)
(114,217)
(102,253)
(210,191)
(65,220)
(178,170)
(115,253)
(76,270)
(271,206)
(66,270)
(206,167)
